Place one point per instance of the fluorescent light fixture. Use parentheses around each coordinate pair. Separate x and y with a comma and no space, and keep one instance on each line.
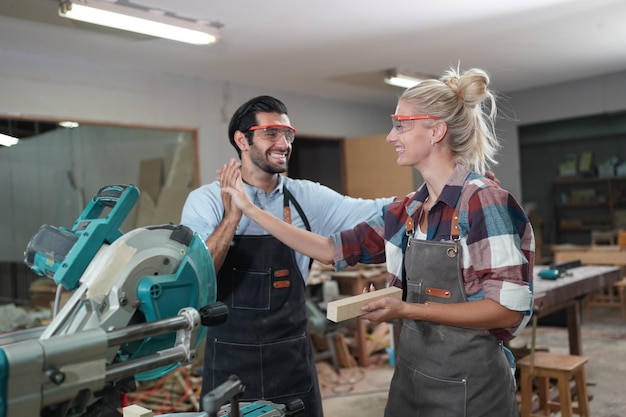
(402,80)
(68,124)
(6,140)
(137,20)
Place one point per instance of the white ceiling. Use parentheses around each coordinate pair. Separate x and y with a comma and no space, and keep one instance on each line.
(341,48)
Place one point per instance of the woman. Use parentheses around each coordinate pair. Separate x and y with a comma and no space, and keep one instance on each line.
(460,246)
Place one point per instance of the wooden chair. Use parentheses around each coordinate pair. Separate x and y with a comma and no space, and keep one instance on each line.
(539,368)
(599,237)
(612,296)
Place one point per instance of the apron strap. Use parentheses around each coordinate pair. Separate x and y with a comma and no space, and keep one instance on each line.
(288,197)
(409,226)
(454,226)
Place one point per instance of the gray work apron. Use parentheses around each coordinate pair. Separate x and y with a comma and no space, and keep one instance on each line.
(446,371)
(265,341)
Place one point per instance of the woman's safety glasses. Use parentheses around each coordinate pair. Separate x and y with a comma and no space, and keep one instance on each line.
(274,132)
(403,124)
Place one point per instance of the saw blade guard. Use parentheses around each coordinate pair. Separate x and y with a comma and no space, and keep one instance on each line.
(62,254)
(193,284)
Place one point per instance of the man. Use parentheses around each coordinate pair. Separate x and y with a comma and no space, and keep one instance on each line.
(265,341)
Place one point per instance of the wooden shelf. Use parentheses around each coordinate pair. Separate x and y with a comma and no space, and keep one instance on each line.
(586,204)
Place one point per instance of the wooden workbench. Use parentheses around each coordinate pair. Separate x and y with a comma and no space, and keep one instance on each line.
(614,296)
(567,292)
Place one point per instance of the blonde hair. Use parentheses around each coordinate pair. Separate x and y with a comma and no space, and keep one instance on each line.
(465,103)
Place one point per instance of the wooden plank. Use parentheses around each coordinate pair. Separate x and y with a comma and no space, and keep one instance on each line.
(151,177)
(344,358)
(347,308)
(135,410)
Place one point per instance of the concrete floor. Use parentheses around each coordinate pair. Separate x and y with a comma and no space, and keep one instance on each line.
(362,392)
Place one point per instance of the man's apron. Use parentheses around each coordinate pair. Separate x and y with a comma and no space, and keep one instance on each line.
(265,341)
(446,371)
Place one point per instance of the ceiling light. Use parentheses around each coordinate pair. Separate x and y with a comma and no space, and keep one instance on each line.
(6,140)
(137,20)
(402,80)
(68,124)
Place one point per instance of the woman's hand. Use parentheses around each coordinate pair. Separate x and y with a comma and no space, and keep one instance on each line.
(384,309)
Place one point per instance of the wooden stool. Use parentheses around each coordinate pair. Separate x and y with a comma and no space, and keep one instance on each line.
(544,366)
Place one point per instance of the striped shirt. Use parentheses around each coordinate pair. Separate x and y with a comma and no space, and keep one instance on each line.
(496,236)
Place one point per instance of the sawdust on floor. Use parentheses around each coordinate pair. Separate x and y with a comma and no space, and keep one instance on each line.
(363,391)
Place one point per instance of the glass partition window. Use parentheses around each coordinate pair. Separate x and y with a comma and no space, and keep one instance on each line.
(47,179)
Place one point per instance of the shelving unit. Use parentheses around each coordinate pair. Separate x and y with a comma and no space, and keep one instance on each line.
(584,205)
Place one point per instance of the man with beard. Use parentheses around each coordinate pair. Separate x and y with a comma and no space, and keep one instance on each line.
(265,341)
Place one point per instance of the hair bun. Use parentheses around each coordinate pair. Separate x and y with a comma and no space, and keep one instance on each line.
(471,86)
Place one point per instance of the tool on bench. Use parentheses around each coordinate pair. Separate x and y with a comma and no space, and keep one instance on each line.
(558,270)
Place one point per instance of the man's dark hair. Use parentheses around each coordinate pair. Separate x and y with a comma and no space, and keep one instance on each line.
(245,116)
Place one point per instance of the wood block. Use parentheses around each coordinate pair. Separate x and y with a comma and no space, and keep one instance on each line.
(134,410)
(347,308)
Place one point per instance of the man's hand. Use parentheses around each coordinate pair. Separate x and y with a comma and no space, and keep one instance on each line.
(220,240)
(233,190)
(492,176)
(227,177)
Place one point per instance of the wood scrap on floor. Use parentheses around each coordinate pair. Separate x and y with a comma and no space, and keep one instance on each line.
(378,339)
(135,410)
(344,357)
(355,379)
(176,392)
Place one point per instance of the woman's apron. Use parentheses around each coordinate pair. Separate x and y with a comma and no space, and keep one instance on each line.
(441,370)
(265,341)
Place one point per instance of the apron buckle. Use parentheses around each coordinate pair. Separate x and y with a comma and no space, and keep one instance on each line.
(452,251)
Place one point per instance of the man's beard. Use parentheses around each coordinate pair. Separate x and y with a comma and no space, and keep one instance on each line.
(261,161)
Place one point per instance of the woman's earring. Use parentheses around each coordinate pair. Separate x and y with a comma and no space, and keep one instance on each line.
(432,142)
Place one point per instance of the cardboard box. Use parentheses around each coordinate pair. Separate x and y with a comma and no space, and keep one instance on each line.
(567,169)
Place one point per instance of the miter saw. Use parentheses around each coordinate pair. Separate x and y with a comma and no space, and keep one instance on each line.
(135,312)
(138,301)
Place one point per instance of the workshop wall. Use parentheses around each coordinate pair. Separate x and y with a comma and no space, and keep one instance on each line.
(49,87)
